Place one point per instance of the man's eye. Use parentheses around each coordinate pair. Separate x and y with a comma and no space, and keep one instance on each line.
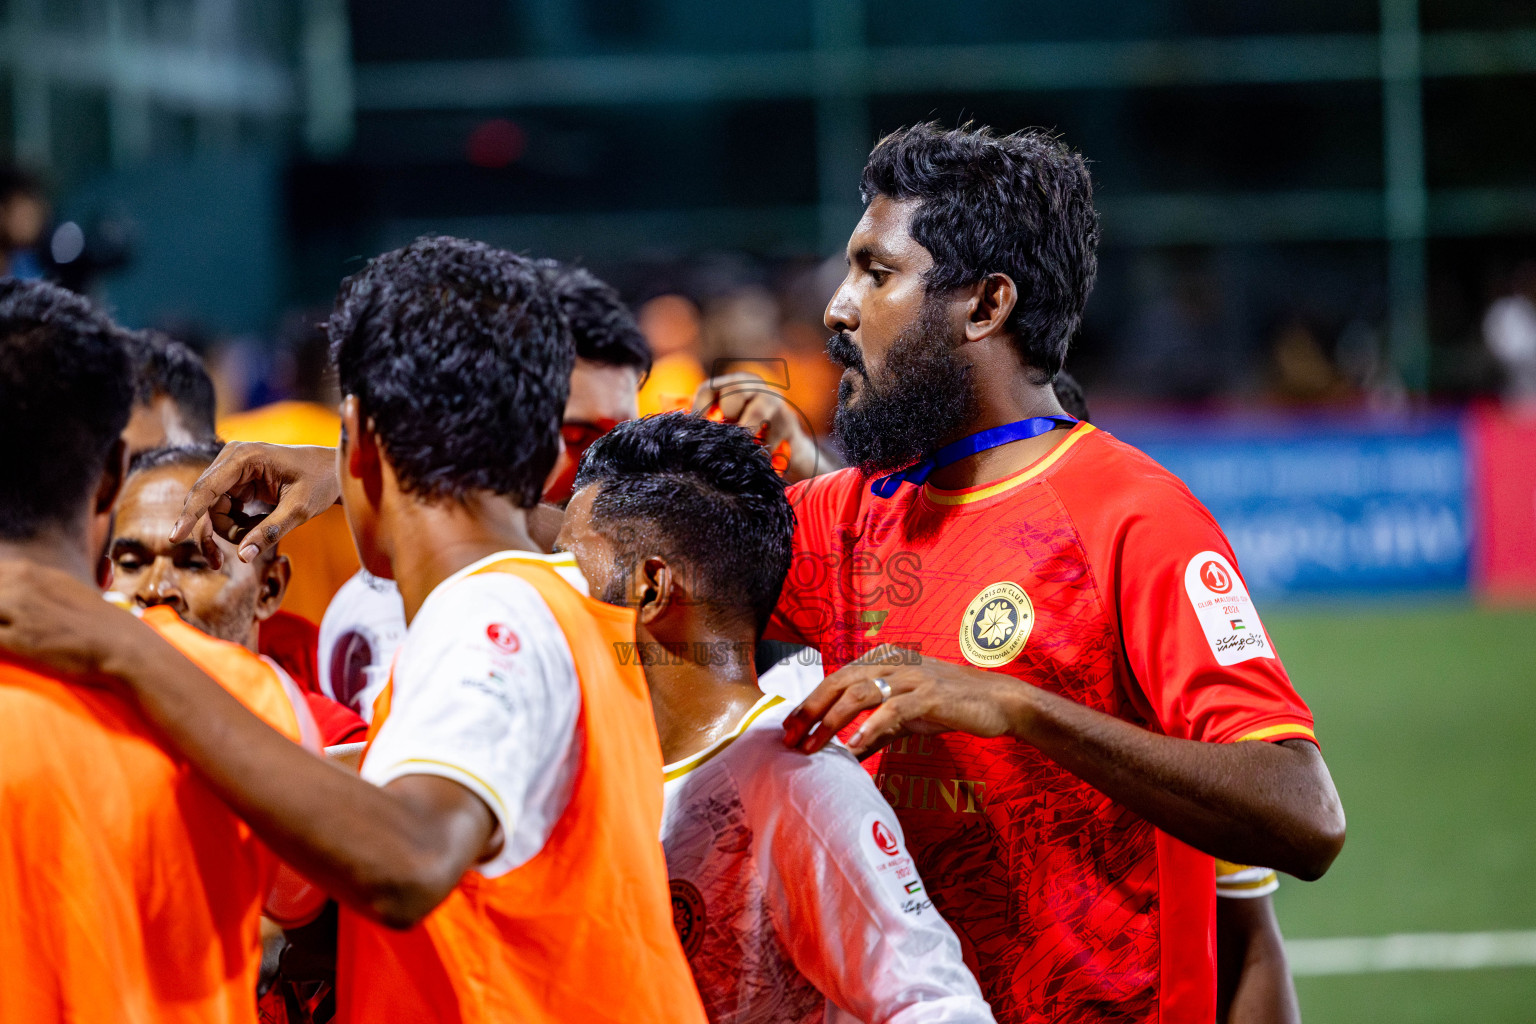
(878,275)
(128,563)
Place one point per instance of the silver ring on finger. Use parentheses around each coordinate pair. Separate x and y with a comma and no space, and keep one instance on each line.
(884,688)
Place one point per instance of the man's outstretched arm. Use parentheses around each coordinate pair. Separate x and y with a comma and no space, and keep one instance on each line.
(392,853)
(1252,803)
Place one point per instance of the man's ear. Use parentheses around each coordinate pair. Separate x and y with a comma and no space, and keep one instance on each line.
(113,475)
(359,447)
(991,304)
(657,589)
(274,584)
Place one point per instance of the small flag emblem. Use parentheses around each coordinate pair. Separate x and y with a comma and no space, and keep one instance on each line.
(914,886)
(1237,623)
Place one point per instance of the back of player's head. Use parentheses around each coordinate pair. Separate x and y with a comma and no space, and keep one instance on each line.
(461,360)
(197,456)
(603,327)
(165,367)
(702,494)
(1073,399)
(1020,205)
(65,393)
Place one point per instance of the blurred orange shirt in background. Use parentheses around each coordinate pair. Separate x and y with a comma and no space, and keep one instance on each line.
(321,550)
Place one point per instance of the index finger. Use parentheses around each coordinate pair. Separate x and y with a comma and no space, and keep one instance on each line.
(708,393)
(825,709)
(228,471)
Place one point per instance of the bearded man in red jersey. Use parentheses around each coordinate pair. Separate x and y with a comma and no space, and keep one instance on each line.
(1068,655)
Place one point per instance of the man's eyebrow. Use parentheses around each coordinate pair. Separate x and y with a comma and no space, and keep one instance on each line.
(128,542)
(869,252)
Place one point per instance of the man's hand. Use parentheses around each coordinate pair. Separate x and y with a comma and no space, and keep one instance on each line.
(1250,803)
(748,400)
(53,619)
(254,494)
(927,696)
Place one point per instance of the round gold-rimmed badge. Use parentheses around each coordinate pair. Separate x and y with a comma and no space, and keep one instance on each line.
(996,625)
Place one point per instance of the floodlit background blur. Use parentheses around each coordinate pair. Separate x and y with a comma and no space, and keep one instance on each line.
(1317,297)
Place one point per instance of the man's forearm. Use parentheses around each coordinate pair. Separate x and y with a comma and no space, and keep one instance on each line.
(349,837)
(1252,803)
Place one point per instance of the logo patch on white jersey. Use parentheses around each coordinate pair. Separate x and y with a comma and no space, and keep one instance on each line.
(892,865)
(1225,610)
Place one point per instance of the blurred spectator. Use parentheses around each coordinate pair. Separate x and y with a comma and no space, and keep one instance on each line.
(1301,371)
(23,215)
(321,550)
(1172,348)
(173,396)
(1509,331)
(672,325)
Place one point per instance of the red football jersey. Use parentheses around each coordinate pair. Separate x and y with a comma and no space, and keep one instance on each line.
(1093,573)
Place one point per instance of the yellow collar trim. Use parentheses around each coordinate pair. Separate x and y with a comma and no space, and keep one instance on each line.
(939,497)
(680,768)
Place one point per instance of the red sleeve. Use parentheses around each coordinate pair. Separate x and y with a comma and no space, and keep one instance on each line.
(293,642)
(804,612)
(1191,634)
(338,723)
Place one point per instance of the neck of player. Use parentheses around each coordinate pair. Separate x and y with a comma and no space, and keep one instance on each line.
(437,539)
(56,548)
(702,679)
(1003,395)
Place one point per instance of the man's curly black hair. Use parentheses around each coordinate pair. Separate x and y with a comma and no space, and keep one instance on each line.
(603,327)
(66,389)
(702,494)
(165,366)
(1020,205)
(461,360)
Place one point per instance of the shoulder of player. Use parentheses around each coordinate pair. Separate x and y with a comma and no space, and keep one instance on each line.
(820,495)
(774,779)
(252,679)
(1109,475)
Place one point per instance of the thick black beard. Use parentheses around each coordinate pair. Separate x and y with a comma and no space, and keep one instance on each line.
(922,396)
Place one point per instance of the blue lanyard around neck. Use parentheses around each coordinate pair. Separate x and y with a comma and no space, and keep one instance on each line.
(918,473)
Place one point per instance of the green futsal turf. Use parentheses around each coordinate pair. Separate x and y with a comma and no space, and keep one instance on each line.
(1427,715)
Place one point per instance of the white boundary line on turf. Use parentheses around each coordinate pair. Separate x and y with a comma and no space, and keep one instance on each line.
(1424,951)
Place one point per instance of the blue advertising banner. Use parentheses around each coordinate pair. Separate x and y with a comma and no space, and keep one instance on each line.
(1315,507)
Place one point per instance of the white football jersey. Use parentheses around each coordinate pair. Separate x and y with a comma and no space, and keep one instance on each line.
(793,891)
(363,626)
(485,693)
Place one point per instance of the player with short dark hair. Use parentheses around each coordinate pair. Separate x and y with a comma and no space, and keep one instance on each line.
(498,860)
(811,909)
(1068,653)
(173,396)
(130,891)
(364,622)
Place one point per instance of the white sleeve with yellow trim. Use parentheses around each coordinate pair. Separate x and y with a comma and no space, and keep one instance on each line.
(485,694)
(1241,882)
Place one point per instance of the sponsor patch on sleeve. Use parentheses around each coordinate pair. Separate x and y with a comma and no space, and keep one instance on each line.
(1226,612)
(891,866)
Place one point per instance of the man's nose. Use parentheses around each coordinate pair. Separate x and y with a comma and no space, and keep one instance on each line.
(842,312)
(161,585)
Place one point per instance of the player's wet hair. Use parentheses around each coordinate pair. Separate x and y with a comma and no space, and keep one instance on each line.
(164,366)
(1020,205)
(461,359)
(66,390)
(705,496)
(603,327)
(184,456)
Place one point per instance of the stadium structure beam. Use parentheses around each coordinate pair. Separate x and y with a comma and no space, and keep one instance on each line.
(1405,198)
(178,76)
(1326,215)
(862,71)
(842,122)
